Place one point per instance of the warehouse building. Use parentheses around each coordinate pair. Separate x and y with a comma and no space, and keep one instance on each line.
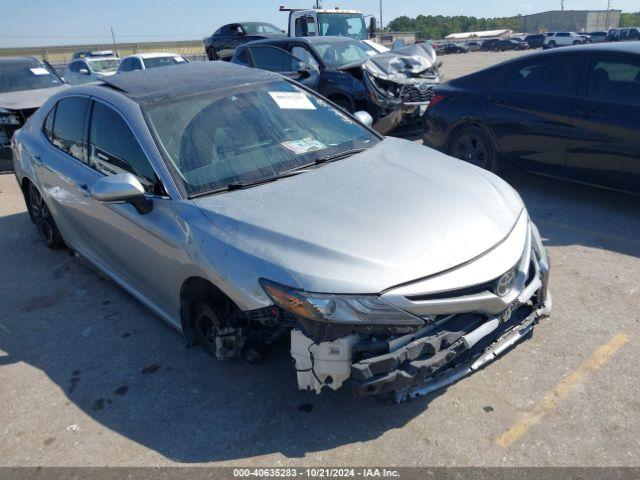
(571,21)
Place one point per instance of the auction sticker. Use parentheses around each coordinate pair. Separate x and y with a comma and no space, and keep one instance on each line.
(306,145)
(39,71)
(292,101)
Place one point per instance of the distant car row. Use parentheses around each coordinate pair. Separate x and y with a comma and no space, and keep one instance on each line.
(539,40)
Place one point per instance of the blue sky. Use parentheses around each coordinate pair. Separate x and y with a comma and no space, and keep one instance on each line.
(55,22)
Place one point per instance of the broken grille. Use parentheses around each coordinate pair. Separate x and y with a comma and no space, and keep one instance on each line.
(413,94)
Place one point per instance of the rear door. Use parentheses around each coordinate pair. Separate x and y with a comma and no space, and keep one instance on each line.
(61,171)
(606,147)
(529,110)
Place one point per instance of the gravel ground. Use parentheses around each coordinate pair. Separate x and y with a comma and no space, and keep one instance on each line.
(89,377)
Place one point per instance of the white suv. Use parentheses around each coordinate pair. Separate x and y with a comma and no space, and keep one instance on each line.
(562,39)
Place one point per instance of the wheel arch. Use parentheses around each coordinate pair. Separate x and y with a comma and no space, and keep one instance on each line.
(468,123)
(334,96)
(199,289)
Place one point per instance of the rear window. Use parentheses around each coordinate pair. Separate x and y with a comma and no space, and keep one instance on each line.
(615,80)
(551,76)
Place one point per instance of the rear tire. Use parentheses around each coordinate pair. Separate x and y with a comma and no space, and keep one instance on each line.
(212,54)
(552,44)
(473,145)
(42,218)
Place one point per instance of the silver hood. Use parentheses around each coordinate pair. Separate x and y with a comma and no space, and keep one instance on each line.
(392,214)
(27,99)
(412,62)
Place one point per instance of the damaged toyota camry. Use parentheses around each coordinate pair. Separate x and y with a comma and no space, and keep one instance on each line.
(243,208)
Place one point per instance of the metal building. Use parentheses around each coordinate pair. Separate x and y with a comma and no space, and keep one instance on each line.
(571,21)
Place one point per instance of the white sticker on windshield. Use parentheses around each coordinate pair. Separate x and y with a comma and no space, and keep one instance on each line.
(40,71)
(292,100)
(179,59)
(305,145)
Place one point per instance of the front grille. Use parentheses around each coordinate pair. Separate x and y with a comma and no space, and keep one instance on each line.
(413,94)
(484,287)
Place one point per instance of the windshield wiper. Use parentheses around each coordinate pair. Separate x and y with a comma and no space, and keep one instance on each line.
(248,183)
(327,159)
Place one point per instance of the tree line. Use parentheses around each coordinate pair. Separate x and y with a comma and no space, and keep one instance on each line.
(439,26)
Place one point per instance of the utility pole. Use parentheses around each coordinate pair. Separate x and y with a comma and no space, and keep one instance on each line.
(380,15)
(561,4)
(113,37)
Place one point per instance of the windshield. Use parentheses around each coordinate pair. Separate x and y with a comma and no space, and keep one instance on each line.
(249,133)
(26,75)
(162,61)
(339,53)
(104,65)
(256,28)
(342,25)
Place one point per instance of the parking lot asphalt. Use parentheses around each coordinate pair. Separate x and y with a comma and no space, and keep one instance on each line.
(89,377)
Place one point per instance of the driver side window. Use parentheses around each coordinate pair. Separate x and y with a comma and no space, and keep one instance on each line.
(114,149)
(273,59)
(305,55)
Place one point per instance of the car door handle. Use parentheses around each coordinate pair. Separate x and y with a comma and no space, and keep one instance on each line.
(496,100)
(588,114)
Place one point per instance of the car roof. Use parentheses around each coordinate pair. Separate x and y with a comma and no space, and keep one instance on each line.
(157,84)
(612,47)
(309,40)
(19,61)
(153,55)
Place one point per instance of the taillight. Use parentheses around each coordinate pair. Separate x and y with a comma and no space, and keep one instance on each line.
(437,98)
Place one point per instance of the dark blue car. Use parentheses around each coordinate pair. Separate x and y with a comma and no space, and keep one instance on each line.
(573,113)
(392,87)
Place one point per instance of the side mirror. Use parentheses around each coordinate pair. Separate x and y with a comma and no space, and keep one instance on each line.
(83,71)
(304,70)
(364,117)
(121,188)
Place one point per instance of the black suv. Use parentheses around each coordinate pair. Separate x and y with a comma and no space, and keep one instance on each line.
(535,40)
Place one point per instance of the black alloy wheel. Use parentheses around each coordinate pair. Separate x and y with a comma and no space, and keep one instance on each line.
(473,146)
(42,218)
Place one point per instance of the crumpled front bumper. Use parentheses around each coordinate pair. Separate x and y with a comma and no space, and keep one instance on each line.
(429,364)
(407,107)
(465,328)
(462,342)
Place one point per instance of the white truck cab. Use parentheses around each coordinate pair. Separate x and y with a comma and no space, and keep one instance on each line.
(318,22)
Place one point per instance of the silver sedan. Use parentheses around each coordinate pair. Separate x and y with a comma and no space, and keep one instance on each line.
(242,207)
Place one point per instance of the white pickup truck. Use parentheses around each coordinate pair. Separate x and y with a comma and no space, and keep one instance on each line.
(317,22)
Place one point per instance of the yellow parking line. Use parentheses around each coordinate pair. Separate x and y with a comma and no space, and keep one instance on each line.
(550,401)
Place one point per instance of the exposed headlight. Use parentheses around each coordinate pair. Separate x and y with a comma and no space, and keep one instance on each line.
(344,309)
(8,118)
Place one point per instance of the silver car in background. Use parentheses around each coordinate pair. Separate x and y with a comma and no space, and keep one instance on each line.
(242,207)
(90,69)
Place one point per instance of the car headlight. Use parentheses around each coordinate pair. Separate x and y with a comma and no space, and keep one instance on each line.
(8,118)
(343,309)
